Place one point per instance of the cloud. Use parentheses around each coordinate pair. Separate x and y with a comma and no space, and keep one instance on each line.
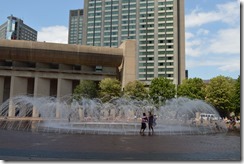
(54,34)
(221,50)
(214,38)
(224,42)
(222,63)
(227,41)
(193,45)
(189,35)
(230,12)
(226,13)
(202,32)
(196,19)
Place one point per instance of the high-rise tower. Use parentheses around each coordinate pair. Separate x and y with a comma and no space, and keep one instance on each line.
(75,26)
(158,26)
(15,29)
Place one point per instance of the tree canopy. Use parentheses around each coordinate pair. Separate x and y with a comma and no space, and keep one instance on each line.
(193,88)
(237,96)
(86,88)
(161,89)
(109,88)
(136,89)
(220,93)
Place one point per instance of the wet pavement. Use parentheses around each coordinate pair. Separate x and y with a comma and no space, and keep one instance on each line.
(39,146)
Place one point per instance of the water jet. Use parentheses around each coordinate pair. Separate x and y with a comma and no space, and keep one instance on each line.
(119,116)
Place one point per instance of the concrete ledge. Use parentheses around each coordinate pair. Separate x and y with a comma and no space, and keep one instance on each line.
(18,50)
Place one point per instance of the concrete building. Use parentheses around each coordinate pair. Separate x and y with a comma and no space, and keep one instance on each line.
(157,26)
(51,69)
(75,26)
(15,29)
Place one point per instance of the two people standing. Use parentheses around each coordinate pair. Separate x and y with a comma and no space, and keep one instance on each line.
(150,120)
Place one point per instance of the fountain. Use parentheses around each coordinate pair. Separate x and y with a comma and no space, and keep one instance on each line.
(121,116)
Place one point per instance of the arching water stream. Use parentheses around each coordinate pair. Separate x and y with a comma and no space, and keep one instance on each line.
(118,116)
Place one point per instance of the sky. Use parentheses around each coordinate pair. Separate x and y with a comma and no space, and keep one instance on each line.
(212,30)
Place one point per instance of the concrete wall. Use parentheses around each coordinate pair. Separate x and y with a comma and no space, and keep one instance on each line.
(128,67)
(44,79)
(18,87)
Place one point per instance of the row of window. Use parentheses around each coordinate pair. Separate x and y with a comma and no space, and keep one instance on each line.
(159,69)
(159,53)
(116,12)
(108,39)
(90,35)
(152,59)
(151,76)
(114,24)
(109,2)
(159,47)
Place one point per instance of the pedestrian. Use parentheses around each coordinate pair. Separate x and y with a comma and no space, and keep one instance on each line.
(143,123)
(154,120)
(150,121)
(69,117)
(232,123)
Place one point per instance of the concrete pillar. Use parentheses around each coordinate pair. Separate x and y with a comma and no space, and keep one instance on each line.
(128,67)
(11,110)
(41,88)
(18,86)
(1,89)
(64,88)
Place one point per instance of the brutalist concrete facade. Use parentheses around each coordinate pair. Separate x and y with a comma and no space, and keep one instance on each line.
(51,69)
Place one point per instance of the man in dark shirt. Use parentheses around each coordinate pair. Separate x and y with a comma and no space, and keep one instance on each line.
(150,121)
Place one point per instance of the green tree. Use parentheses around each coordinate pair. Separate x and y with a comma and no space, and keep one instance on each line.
(161,89)
(220,93)
(193,88)
(136,89)
(86,88)
(237,95)
(109,88)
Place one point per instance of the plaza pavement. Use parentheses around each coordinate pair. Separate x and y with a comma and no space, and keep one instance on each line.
(39,146)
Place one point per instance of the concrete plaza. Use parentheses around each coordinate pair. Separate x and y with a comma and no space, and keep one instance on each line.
(36,146)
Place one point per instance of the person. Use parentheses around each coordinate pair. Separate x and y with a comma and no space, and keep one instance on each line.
(232,123)
(150,121)
(154,120)
(143,123)
(69,117)
(201,119)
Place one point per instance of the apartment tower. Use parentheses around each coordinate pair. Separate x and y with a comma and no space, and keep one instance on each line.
(157,26)
(15,29)
(75,26)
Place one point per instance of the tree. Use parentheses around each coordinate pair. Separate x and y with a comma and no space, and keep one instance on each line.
(136,89)
(86,88)
(220,92)
(109,88)
(237,95)
(192,88)
(161,89)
